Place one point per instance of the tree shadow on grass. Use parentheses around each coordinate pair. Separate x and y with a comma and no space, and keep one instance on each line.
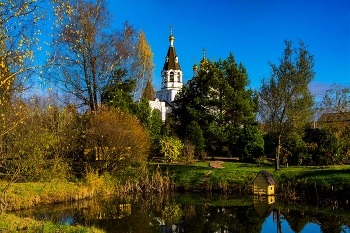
(325,173)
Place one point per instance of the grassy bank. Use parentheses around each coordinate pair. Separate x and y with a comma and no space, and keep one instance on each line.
(30,194)
(11,223)
(292,181)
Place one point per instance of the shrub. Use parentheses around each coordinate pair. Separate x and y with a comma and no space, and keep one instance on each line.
(295,148)
(187,151)
(324,150)
(203,155)
(117,139)
(31,147)
(171,148)
(328,141)
(260,160)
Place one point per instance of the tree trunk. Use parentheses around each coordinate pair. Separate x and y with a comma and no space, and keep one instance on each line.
(277,159)
(279,223)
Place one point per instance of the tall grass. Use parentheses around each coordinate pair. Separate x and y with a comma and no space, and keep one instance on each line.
(147,181)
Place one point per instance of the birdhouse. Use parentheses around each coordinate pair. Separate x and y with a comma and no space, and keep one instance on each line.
(264,184)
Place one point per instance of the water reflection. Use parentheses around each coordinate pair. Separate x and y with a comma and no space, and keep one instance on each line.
(187,213)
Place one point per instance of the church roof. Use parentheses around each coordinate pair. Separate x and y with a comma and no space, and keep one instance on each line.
(335,117)
(170,63)
(149,92)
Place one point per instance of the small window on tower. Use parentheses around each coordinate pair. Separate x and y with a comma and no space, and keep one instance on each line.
(172,77)
(178,77)
(176,59)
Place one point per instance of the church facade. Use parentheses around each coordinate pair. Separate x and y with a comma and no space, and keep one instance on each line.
(171,82)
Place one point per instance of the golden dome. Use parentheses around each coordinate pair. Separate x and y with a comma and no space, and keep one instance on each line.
(195,67)
(203,61)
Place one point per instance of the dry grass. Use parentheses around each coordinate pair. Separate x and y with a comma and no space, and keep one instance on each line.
(30,194)
(155,182)
(13,223)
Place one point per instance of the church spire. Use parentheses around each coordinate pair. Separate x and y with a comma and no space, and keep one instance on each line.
(149,92)
(171,60)
(171,74)
(171,37)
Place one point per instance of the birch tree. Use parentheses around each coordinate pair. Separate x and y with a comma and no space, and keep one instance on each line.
(24,24)
(89,52)
(142,66)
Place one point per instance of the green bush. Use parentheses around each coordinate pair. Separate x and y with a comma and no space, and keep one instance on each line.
(296,151)
(250,143)
(327,140)
(171,148)
(325,150)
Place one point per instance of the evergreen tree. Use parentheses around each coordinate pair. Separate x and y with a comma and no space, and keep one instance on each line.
(118,93)
(195,135)
(219,102)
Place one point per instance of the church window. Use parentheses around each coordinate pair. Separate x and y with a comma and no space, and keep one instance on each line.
(172,77)
(178,76)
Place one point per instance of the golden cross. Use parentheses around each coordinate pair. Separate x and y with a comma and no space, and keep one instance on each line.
(203,52)
(195,60)
(171,28)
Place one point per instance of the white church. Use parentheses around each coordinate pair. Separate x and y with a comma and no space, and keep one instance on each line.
(171,82)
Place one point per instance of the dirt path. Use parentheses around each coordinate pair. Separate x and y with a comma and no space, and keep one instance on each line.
(216,164)
(201,184)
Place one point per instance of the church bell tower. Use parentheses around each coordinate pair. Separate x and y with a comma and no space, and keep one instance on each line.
(171,74)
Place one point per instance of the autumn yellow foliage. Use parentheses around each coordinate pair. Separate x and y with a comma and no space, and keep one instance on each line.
(119,139)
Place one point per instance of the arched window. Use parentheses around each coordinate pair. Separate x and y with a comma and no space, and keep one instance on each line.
(171,76)
(178,76)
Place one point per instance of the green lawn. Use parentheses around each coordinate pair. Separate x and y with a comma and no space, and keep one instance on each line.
(239,173)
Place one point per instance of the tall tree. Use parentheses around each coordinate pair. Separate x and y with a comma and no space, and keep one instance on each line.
(219,102)
(89,52)
(22,24)
(285,103)
(142,66)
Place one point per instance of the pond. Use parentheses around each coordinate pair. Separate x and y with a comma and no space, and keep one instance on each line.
(191,213)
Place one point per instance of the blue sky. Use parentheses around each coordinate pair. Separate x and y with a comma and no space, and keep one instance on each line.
(253,30)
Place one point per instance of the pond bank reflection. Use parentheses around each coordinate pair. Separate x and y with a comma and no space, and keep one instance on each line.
(191,213)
